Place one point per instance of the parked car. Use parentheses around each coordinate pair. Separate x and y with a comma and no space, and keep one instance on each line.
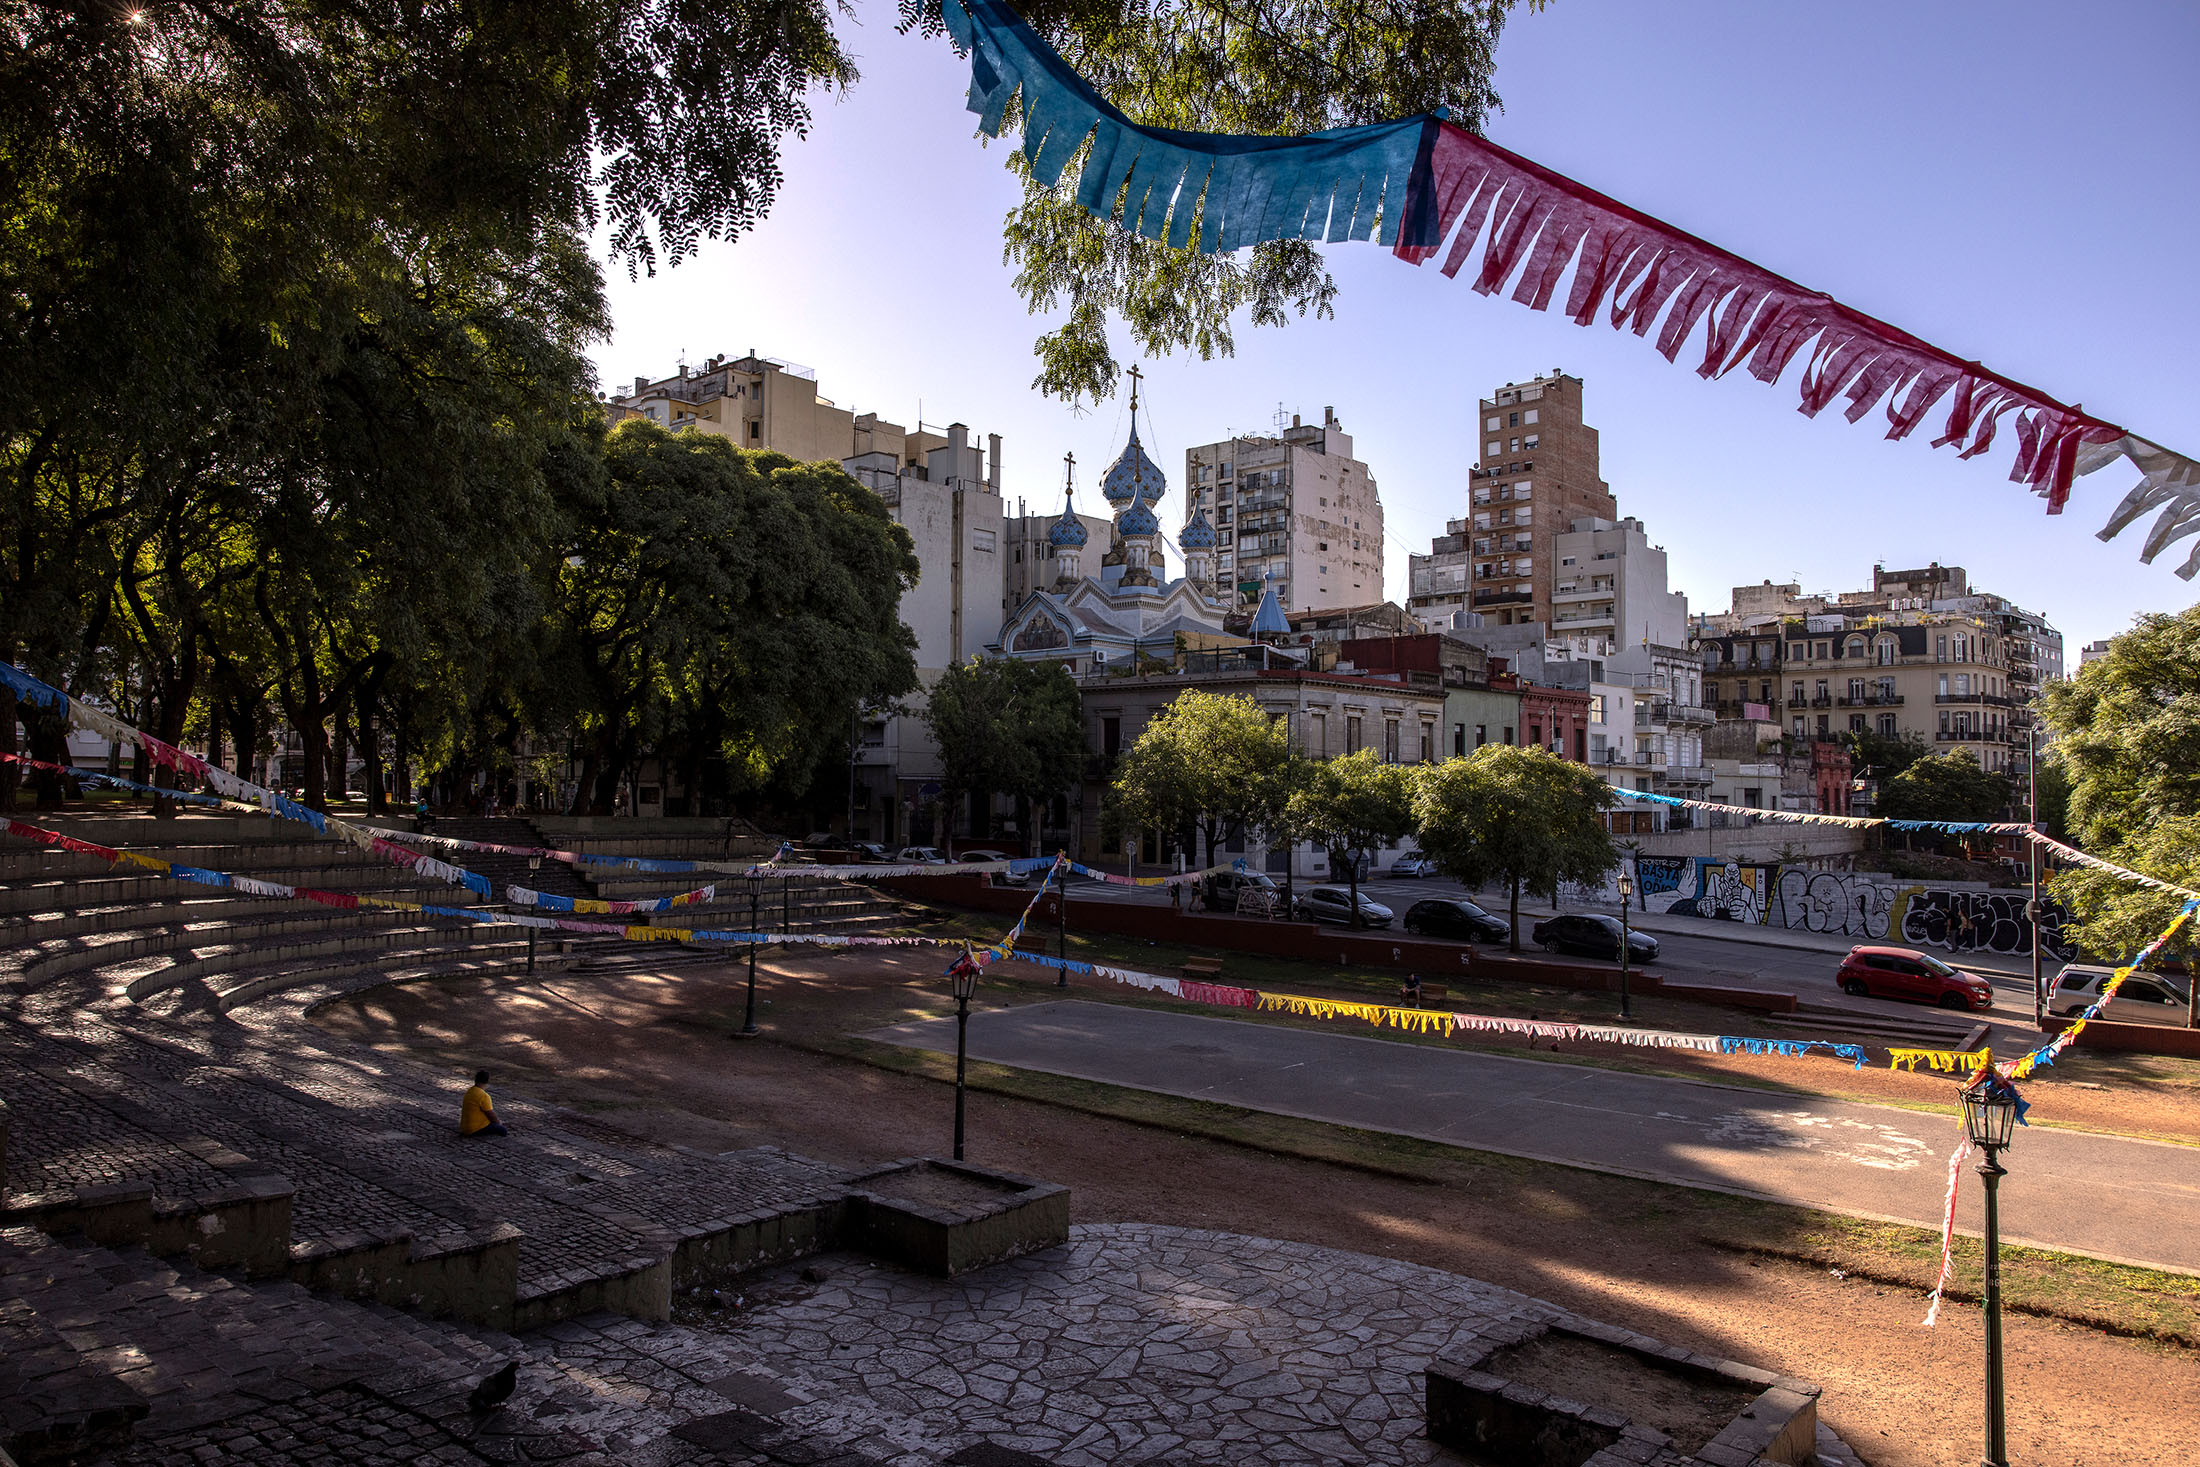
(921,856)
(2144,998)
(1447,917)
(1412,865)
(1593,935)
(1219,892)
(984,856)
(871,851)
(1334,904)
(1900,972)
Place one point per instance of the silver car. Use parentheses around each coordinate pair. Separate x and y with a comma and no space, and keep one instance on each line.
(1334,904)
(2144,998)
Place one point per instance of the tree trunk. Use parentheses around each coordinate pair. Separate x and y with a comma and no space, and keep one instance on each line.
(370,753)
(1352,880)
(1516,914)
(339,753)
(401,761)
(313,742)
(49,742)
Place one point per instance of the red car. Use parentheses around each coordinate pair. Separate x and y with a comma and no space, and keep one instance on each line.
(1900,972)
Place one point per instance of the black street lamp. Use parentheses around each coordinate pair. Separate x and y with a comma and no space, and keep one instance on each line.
(963,977)
(1990,1107)
(534,864)
(756,897)
(1626,894)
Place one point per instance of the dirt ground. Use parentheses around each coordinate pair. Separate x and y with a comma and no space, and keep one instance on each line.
(654,1052)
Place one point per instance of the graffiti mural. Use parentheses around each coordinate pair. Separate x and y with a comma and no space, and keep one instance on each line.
(1852,903)
(1656,875)
(1731,891)
(1980,921)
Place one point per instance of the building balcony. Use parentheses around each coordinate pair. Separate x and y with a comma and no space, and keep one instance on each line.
(1874,700)
(1691,774)
(1679,713)
(1503,598)
(1582,593)
(1994,700)
(1969,736)
(1602,618)
(1823,700)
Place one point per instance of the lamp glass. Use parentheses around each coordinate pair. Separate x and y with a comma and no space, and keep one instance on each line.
(963,982)
(1626,885)
(1989,1116)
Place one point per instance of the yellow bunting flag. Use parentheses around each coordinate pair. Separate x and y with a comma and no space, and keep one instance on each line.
(1419,1021)
(658,934)
(1944,1060)
(1322,1008)
(133,858)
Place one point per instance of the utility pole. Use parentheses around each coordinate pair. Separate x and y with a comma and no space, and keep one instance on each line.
(2033,910)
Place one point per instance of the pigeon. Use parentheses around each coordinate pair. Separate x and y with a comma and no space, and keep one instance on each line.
(495,1389)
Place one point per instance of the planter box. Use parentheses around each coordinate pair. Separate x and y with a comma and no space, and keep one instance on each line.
(948,1217)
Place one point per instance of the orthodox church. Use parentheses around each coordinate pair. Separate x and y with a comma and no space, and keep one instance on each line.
(1127,608)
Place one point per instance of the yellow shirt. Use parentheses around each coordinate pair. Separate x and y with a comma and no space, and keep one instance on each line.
(473,1110)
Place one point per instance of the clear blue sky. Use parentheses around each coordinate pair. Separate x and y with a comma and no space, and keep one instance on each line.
(2018,182)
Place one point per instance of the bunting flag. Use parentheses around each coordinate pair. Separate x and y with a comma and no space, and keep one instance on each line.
(1948,1228)
(1414,184)
(1945,1061)
(116,781)
(2047,1053)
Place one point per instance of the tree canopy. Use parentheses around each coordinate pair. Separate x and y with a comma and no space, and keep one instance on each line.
(1204,65)
(1518,816)
(1007,726)
(2126,739)
(1348,806)
(1209,763)
(1945,787)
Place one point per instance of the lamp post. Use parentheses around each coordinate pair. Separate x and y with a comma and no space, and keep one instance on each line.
(534,864)
(756,897)
(1990,1117)
(1626,894)
(1059,874)
(2032,908)
(963,978)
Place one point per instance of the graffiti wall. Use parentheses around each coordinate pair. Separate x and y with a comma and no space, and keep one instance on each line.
(1867,906)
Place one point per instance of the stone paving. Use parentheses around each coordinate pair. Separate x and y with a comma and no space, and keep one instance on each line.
(1133,1344)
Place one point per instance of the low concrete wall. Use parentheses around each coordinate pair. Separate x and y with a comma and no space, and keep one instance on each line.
(245,1226)
(1501,1420)
(707,1253)
(1433,958)
(2133,1038)
(1021,1215)
(640,1288)
(472,1276)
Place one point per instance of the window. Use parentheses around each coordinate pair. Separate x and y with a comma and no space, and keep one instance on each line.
(1512,420)
(1515,446)
(1496,448)
(981,540)
(1822,693)
(1825,723)
(1959,648)
(1940,649)
(1318,736)
(1533,439)
(1820,651)
(1764,690)
(1535,735)
(1885,688)
(1943,690)
(1111,735)
(1856,690)
(1795,651)
(1508,733)
(1522,489)
(1963,685)
(1886,725)
(1596,708)
(756,430)
(1459,739)
(1523,514)
(1531,415)
(1856,647)
(1494,425)
(1795,693)
(1525,565)
(1886,652)
(1481,734)
(1352,733)
(1390,740)
(1856,723)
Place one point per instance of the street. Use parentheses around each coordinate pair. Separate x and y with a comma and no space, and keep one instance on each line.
(2110,1196)
(1711,951)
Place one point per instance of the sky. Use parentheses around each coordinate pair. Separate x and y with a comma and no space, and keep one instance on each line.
(2016,182)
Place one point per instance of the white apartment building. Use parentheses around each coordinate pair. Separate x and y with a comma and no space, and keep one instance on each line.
(1296,513)
(1609,585)
(952,508)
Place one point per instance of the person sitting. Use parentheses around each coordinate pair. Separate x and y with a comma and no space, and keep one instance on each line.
(477,1115)
(1412,990)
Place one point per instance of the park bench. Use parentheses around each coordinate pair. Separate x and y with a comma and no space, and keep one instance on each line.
(1204,970)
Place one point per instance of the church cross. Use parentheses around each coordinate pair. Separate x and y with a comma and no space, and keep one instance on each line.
(1136,377)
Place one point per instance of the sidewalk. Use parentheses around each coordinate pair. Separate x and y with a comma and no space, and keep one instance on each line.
(2108,1196)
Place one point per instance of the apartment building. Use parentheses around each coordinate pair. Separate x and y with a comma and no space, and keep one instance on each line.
(769,403)
(1296,513)
(1921,653)
(1537,474)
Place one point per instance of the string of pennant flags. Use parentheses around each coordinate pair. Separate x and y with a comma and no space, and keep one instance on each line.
(1413,184)
(2058,849)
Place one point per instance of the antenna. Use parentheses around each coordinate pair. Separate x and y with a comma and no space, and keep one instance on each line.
(1280,415)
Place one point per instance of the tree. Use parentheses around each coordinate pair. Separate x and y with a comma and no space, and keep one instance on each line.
(1209,65)
(732,602)
(1945,787)
(1007,726)
(1350,805)
(1209,763)
(1522,817)
(2126,738)
(1876,756)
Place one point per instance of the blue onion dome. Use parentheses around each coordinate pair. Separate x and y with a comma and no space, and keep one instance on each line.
(1068,530)
(1139,519)
(1133,476)
(1197,533)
